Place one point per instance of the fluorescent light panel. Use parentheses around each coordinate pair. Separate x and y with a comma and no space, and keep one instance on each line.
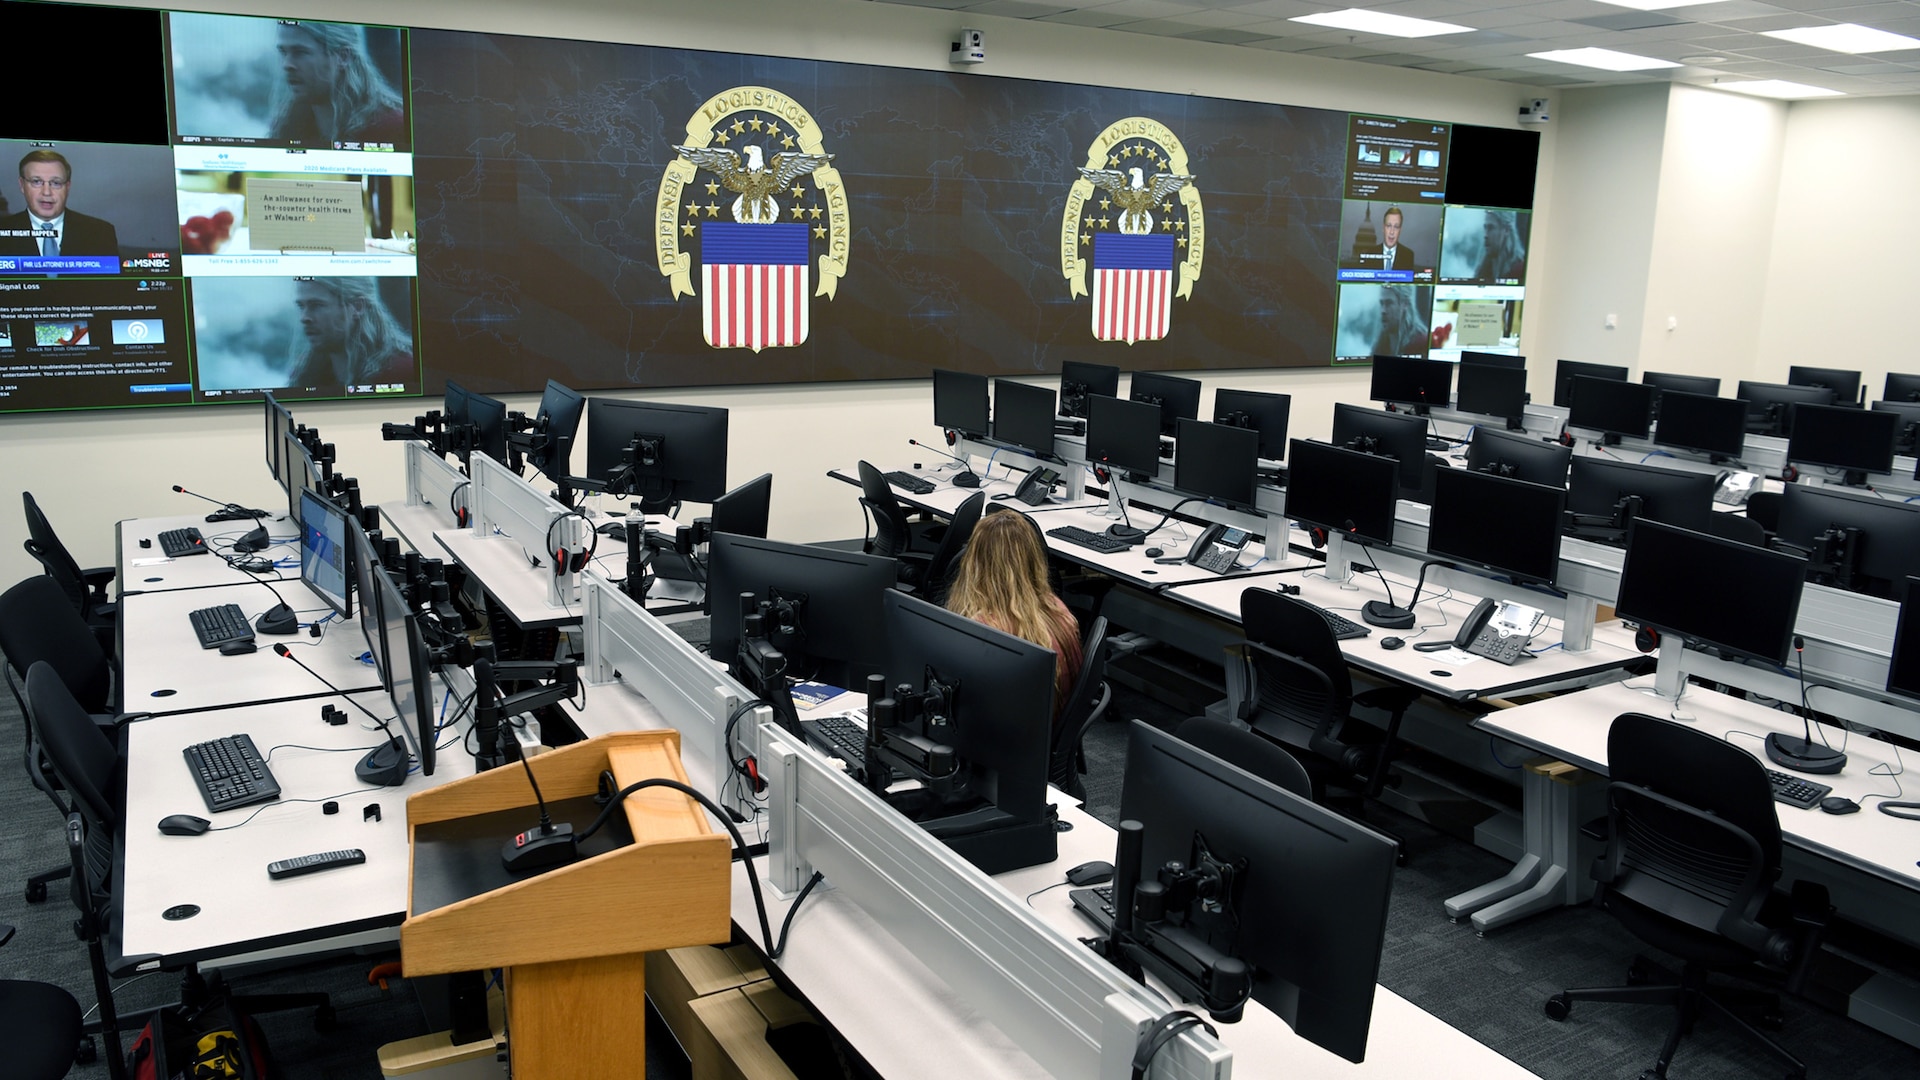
(1604,59)
(1377,22)
(1847,38)
(1777,88)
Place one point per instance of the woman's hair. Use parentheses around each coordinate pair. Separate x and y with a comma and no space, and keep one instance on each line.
(1002,582)
(360,94)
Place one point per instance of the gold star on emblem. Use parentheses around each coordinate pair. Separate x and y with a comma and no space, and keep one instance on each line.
(814,211)
(1103,223)
(687,228)
(773,129)
(720,137)
(1106,204)
(1165,225)
(820,232)
(1085,239)
(797,193)
(693,210)
(739,126)
(1113,161)
(797,212)
(1179,226)
(786,141)
(1153,156)
(754,123)
(713,209)
(1166,208)
(1181,243)
(713,188)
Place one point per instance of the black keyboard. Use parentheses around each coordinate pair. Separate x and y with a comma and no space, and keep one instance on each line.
(178,542)
(910,482)
(231,773)
(1343,628)
(1794,791)
(218,625)
(1078,537)
(1096,904)
(838,737)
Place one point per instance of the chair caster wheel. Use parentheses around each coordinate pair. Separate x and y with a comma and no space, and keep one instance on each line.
(36,892)
(85,1053)
(1559,1007)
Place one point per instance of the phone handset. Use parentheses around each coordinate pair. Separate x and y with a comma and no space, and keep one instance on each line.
(1036,485)
(1498,630)
(1218,547)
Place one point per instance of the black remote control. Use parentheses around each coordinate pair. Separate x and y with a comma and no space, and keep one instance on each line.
(307,864)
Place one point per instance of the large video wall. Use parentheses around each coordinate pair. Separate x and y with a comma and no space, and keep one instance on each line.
(338,211)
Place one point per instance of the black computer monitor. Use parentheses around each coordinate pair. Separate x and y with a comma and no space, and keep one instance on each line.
(1599,488)
(1217,461)
(1023,418)
(1375,431)
(1903,672)
(987,696)
(657,451)
(1715,426)
(1906,432)
(1306,910)
(1611,407)
(1178,398)
(479,422)
(555,425)
(1770,405)
(1723,594)
(1861,542)
(960,403)
(744,510)
(1124,434)
(1521,457)
(1493,359)
(1505,526)
(1342,491)
(278,422)
(1079,382)
(409,672)
(1407,380)
(1845,384)
(1663,381)
(831,625)
(1901,387)
(324,552)
(1493,391)
(1842,437)
(1567,370)
(365,566)
(298,472)
(1264,413)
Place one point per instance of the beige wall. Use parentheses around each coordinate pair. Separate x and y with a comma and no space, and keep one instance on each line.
(90,469)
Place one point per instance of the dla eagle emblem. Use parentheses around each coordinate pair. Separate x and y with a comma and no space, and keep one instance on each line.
(1133,218)
(755,197)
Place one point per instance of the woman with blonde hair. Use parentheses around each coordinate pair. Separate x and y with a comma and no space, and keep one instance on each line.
(1002,582)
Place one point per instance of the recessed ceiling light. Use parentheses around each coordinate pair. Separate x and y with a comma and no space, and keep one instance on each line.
(1703,61)
(1604,59)
(1777,88)
(1846,38)
(1377,22)
(1655,5)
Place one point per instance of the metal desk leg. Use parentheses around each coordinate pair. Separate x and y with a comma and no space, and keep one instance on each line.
(1558,798)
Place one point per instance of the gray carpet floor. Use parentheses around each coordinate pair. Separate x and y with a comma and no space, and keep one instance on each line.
(1491,988)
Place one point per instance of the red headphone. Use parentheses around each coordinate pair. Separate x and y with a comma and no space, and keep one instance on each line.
(1646,639)
(571,562)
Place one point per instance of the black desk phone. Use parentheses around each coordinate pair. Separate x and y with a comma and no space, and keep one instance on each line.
(1499,630)
(1218,547)
(1036,486)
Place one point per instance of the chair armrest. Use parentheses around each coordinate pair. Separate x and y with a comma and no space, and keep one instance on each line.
(1599,828)
(1392,699)
(98,576)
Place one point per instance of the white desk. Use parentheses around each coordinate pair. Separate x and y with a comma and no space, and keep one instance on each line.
(224,873)
(147,569)
(514,573)
(164,670)
(946,498)
(415,524)
(1440,673)
(1132,565)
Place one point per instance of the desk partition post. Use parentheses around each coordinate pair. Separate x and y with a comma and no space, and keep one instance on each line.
(1576,623)
(1277,545)
(506,506)
(1670,677)
(1337,566)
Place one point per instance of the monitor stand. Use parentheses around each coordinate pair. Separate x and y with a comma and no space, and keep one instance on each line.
(996,841)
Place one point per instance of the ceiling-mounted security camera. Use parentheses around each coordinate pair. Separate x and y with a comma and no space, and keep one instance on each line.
(1533,111)
(969,47)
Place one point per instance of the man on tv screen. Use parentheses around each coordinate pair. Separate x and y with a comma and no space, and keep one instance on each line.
(1403,330)
(1393,255)
(332,93)
(47,227)
(1506,254)
(351,339)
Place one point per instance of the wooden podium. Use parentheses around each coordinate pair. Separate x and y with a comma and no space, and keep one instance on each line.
(572,938)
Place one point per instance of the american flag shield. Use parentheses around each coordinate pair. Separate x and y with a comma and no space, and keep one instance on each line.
(1132,287)
(756,282)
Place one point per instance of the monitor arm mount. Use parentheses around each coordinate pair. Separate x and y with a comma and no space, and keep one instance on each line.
(1625,509)
(770,631)
(1154,926)
(908,732)
(428,428)
(492,714)
(1833,557)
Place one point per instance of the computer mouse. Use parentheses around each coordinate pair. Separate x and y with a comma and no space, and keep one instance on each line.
(1392,642)
(1090,873)
(1154,553)
(184,825)
(1834,804)
(237,648)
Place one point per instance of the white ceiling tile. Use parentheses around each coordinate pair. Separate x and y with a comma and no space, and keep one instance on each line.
(1088,17)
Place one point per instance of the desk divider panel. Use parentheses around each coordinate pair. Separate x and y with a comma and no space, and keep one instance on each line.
(1270,524)
(1072,473)
(431,481)
(1048,993)
(506,507)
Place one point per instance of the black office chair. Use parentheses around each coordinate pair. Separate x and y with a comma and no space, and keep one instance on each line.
(85,589)
(1739,529)
(1086,702)
(929,576)
(39,1025)
(1292,685)
(91,767)
(1246,748)
(1692,856)
(892,534)
(1764,507)
(36,624)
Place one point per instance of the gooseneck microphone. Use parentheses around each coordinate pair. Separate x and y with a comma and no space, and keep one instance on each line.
(1800,753)
(227,512)
(383,766)
(546,845)
(966,477)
